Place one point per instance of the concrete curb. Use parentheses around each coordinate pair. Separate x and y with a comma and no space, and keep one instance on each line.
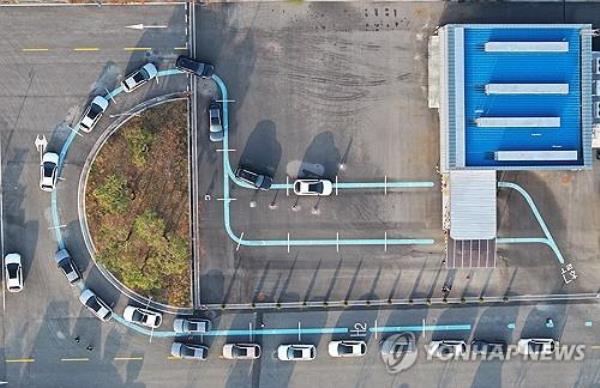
(108,132)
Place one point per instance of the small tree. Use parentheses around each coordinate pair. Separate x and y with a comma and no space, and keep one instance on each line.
(113,196)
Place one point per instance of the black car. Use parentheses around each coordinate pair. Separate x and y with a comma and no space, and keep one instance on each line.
(189,65)
(488,347)
(256,180)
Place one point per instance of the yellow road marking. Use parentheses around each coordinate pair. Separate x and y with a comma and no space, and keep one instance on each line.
(128,358)
(137,48)
(173,358)
(11,360)
(34,49)
(74,359)
(86,49)
(181,48)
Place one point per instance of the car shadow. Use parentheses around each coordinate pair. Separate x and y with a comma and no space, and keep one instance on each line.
(262,152)
(321,159)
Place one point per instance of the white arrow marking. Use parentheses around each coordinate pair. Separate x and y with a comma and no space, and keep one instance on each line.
(141,26)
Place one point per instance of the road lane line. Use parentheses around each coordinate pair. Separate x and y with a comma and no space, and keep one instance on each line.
(173,358)
(33,50)
(2,231)
(17,360)
(137,48)
(595,347)
(86,49)
(128,358)
(82,359)
(181,48)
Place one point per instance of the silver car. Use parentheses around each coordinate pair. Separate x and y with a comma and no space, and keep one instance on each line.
(215,122)
(139,77)
(65,263)
(191,325)
(189,351)
(92,113)
(95,305)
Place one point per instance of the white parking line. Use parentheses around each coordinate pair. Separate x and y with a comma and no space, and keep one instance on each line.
(385,241)
(239,242)
(2,231)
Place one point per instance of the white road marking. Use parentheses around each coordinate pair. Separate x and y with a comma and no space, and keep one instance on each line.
(239,242)
(2,231)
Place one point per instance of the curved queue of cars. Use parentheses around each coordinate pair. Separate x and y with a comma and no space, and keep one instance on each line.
(99,104)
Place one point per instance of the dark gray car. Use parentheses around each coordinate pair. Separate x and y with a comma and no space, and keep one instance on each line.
(192,66)
(255,180)
(189,351)
(65,263)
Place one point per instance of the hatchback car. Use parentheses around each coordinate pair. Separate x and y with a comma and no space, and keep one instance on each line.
(241,351)
(13,269)
(296,352)
(446,348)
(189,351)
(488,347)
(95,305)
(538,346)
(215,123)
(347,348)
(191,325)
(139,77)
(65,263)
(92,113)
(189,65)
(253,179)
(49,171)
(142,316)
(321,187)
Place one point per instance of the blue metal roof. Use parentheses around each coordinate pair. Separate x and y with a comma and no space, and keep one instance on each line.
(481,68)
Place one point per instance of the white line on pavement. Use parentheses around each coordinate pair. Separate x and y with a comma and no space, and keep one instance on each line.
(2,231)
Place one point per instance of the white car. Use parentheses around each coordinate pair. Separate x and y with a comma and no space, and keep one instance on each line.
(142,316)
(296,352)
(446,348)
(320,187)
(48,171)
(241,351)
(545,346)
(14,272)
(95,305)
(92,114)
(347,348)
(139,77)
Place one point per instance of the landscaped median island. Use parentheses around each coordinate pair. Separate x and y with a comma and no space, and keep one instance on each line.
(137,204)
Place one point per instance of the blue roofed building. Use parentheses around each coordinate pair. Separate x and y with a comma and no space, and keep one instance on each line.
(515,96)
(509,97)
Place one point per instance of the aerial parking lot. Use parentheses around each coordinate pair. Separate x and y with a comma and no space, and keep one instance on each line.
(335,92)
(339,92)
(317,91)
